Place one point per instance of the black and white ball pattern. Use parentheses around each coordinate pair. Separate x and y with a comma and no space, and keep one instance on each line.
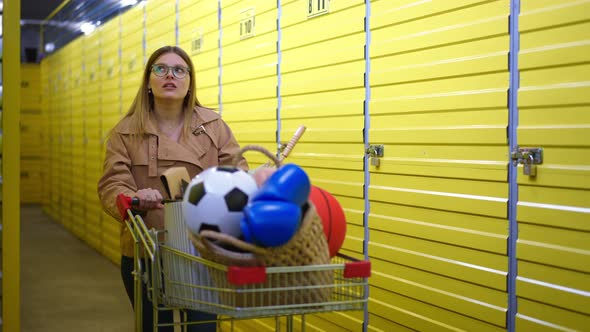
(215,198)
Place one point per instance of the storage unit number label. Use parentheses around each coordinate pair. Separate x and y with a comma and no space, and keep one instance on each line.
(317,7)
(247,23)
(197,41)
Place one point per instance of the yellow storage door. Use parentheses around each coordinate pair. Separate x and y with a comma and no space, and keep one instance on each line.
(65,116)
(438,196)
(160,28)
(93,131)
(322,87)
(76,95)
(553,249)
(198,35)
(31,144)
(132,54)
(111,112)
(54,181)
(45,137)
(249,72)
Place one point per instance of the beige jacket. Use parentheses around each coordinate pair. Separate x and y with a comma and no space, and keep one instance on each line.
(131,165)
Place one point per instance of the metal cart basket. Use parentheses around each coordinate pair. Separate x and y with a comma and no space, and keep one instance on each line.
(180,279)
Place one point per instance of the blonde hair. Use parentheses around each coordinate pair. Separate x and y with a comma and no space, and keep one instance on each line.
(143,102)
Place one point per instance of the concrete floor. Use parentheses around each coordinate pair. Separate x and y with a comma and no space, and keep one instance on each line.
(65,284)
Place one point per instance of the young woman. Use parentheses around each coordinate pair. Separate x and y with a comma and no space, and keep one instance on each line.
(165,127)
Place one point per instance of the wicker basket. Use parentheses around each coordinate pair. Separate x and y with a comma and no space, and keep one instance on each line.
(307,247)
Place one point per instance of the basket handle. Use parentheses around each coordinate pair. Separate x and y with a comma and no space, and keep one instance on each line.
(208,235)
(258,148)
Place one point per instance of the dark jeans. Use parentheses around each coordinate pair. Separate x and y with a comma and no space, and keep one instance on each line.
(164,316)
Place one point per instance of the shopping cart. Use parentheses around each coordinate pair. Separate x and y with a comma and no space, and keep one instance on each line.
(180,279)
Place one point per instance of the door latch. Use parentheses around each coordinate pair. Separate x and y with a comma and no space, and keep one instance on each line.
(529,158)
(375,152)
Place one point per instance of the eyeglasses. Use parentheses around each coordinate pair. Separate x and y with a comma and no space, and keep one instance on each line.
(162,70)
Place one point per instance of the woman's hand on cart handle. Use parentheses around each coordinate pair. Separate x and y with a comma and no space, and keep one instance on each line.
(147,199)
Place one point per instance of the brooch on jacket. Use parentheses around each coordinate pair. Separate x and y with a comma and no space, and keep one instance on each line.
(200,129)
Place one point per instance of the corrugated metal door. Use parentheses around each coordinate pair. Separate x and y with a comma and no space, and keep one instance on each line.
(45,137)
(553,248)
(249,72)
(132,54)
(322,87)
(438,200)
(65,111)
(93,130)
(54,180)
(198,35)
(110,105)
(31,144)
(160,22)
(78,146)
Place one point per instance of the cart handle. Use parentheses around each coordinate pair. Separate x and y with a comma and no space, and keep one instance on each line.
(125,205)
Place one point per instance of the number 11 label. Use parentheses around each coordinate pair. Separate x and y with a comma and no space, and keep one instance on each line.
(317,7)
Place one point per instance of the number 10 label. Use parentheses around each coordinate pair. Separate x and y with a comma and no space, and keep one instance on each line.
(317,7)
(247,23)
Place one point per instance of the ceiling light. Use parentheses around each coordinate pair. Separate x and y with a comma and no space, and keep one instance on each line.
(87,28)
(49,47)
(125,3)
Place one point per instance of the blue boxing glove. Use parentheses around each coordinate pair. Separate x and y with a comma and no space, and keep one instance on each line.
(289,183)
(270,223)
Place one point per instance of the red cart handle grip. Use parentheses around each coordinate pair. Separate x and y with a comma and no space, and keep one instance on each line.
(125,203)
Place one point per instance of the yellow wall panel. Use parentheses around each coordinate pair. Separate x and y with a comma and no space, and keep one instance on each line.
(258,110)
(534,316)
(160,10)
(160,24)
(249,61)
(472,231)
(249,68)
(439,80)
(258,45)
(468,299)
(206,8)
(543,14)
(30,87)
(394,309)
(478,21)
(345,18)
(323,53)
(553,209)
(209,97)
(198,35)
(132,54)
(558,287)
(380,324)
(556,247)
(154,43)
(232,14)
(207,56)
(206,78)
(252,89)
(343,76)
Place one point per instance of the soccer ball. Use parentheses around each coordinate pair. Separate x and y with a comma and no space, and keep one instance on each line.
(215,198)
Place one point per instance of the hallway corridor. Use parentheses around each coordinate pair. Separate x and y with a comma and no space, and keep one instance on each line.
(65,284)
